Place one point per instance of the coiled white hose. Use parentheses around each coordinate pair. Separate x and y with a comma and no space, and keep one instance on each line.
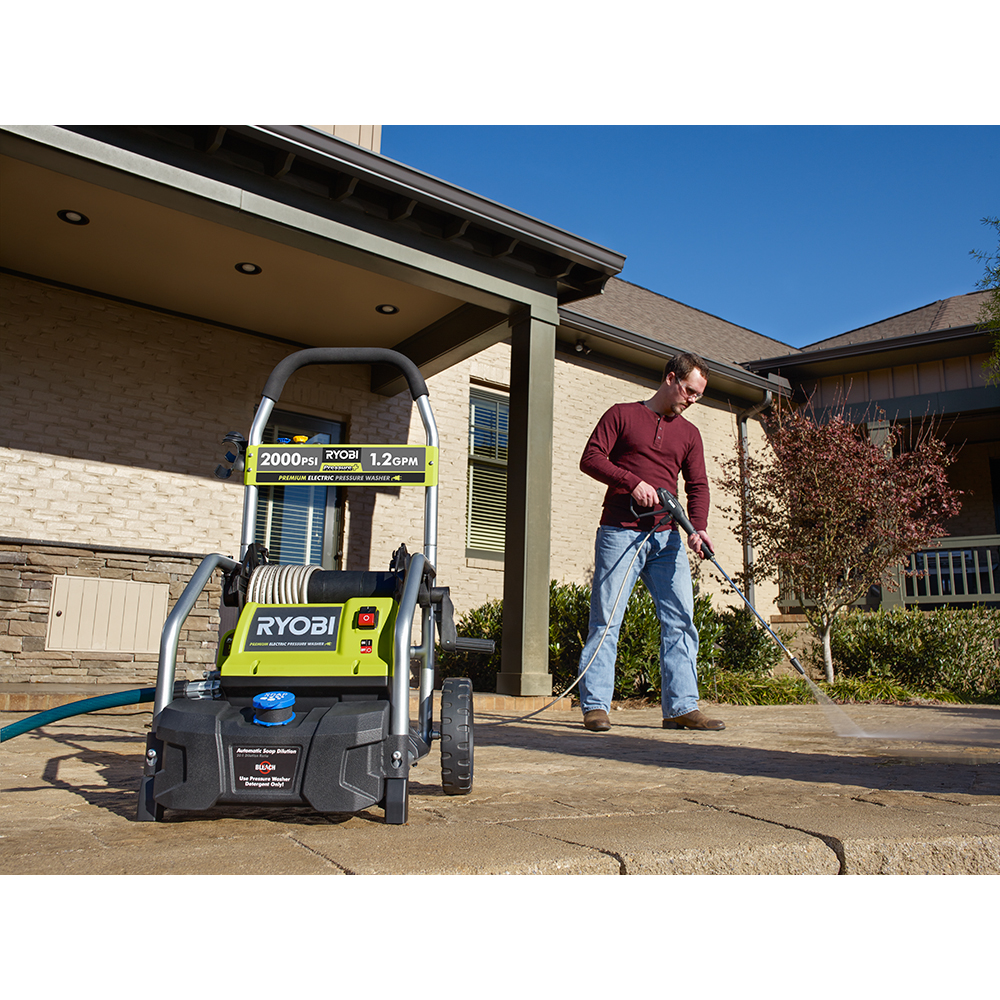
(276,584)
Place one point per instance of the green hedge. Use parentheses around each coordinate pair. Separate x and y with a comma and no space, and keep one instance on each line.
(945,653)
(728,642)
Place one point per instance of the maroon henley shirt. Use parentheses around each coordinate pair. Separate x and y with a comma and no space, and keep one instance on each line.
(632,444)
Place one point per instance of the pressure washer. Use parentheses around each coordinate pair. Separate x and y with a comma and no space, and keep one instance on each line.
(309,703)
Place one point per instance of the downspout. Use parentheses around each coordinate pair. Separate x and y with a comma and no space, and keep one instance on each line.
(742,418)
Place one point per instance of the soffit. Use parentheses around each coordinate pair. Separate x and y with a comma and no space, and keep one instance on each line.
(164,257)
(303,167)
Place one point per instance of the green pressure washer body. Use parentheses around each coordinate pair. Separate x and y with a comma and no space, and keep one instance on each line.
(310,700)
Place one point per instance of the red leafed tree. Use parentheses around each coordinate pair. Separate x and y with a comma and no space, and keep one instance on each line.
(832,513)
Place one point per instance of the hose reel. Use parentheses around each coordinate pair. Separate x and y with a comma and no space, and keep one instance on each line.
(274,583)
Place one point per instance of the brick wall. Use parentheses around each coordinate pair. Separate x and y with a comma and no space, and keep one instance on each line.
(114,417)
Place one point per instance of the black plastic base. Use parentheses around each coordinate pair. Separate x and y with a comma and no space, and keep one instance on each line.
(334,758)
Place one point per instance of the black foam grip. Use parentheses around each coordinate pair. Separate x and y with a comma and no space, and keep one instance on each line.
(335,587)
(344,356)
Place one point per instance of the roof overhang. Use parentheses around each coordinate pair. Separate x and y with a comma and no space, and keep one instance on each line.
(330,176)
(336,229)
(934,345)
(631,353)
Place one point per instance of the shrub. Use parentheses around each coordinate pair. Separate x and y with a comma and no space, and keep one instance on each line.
(930,653)
(744,688)
(746,646)
(569,612)
(484,622)
(637,673)
(569,615)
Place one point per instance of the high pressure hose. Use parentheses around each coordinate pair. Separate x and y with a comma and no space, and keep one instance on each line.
(115,700)
(182,689)
(276,584)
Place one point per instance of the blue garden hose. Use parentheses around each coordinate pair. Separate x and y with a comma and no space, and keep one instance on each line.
(114,700)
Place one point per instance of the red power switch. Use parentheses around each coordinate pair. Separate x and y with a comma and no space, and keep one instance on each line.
(367,618)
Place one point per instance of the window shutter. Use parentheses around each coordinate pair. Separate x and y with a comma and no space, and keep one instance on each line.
(487,507)
(487,489)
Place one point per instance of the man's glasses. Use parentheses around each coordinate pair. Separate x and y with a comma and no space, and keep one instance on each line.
(689,392)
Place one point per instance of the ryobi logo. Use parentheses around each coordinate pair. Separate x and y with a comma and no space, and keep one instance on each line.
(314,627)
(341,454)
(297,625)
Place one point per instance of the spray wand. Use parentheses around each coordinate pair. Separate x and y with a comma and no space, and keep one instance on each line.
(672,506)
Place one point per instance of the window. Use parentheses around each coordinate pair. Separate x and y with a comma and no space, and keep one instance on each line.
(487,492)
(301,524)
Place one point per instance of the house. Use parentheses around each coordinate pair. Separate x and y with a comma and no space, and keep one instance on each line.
(150,279)
(924,363)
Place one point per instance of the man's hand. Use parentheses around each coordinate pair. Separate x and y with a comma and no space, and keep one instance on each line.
(695,541)
(645,495)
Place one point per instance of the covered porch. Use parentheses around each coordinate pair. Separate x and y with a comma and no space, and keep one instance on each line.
(294,238)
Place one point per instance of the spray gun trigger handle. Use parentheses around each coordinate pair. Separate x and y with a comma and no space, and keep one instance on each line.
(673,507)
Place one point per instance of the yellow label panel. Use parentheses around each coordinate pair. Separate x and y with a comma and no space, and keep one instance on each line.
(314,640)
(341,465)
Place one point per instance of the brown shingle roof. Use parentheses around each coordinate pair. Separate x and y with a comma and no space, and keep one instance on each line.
(639,310)
(959,310)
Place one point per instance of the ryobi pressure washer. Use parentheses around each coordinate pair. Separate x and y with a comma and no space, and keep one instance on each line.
(310,701)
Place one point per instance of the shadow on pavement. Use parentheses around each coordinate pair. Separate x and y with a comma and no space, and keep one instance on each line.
(868,763)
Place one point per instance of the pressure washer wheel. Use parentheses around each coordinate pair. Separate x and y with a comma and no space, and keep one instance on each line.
(457,744)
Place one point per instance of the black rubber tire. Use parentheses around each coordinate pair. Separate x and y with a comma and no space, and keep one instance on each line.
(457,742)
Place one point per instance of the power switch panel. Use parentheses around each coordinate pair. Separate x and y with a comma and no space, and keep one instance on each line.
(367,618)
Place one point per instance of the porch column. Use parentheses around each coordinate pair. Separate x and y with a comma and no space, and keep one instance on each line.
(524,667)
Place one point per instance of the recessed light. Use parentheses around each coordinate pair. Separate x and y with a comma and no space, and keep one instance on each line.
(386,309)
(245,267)
(72,217)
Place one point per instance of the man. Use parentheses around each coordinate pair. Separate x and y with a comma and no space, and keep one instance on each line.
(636,449)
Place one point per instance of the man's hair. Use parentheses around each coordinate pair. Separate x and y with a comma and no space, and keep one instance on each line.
(683,364)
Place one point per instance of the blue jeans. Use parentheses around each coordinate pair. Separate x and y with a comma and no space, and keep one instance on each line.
(661,562)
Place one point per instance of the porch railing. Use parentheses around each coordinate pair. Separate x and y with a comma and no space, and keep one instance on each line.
(962,570)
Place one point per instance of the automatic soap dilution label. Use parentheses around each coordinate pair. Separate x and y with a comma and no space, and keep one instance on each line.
(270,768)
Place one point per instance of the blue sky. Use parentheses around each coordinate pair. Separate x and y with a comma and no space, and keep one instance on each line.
(796,232)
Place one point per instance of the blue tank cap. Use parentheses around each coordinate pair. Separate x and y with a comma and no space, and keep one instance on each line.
(273,708)
(273,699)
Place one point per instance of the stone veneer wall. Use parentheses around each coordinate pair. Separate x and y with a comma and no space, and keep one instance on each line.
(27,570)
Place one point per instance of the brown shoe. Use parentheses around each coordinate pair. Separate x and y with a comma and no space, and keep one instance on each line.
(693,720)
(596,720)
